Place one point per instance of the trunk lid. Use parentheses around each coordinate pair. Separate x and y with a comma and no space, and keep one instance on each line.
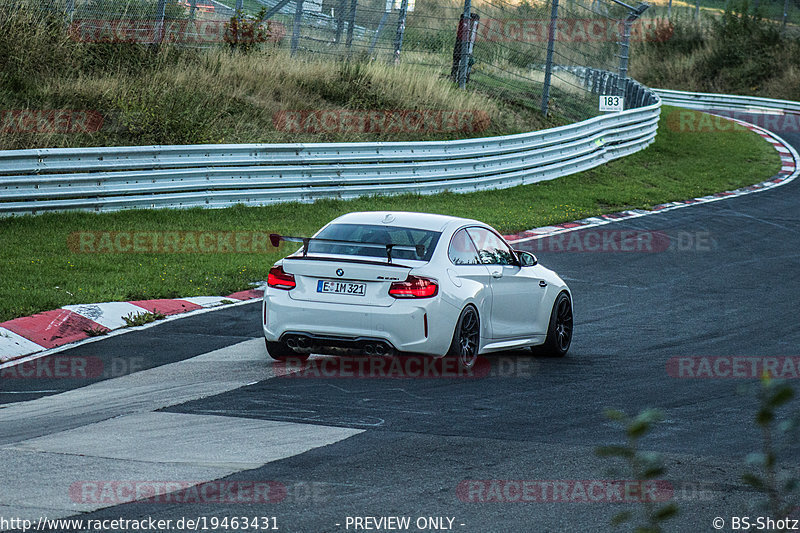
(344,280)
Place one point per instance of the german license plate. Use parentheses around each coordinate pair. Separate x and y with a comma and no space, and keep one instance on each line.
(341,287)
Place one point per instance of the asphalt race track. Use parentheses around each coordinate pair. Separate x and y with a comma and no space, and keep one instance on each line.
(197,399)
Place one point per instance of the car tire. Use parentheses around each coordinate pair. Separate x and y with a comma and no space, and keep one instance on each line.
(559,330)
(280,352)
(466,338)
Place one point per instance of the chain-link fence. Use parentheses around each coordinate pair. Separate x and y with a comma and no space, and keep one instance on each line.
(525,53)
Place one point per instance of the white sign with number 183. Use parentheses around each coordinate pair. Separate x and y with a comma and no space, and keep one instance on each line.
(611,103)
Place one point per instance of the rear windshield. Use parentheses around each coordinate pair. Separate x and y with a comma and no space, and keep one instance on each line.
(357,233)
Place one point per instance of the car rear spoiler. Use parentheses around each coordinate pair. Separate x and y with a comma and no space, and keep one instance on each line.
(276,239)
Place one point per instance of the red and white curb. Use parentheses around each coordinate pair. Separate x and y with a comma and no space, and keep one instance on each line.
(790,168)
(43,333)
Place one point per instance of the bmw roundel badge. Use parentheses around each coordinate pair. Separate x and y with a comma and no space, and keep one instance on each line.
(339,272)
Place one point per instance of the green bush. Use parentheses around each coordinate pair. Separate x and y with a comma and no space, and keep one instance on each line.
(738,53)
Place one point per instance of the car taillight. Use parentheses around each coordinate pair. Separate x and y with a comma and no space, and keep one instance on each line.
(414,287)
(279,279)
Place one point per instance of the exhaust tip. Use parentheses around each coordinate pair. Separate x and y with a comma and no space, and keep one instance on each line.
(380,349)
(291,343)
(369,349)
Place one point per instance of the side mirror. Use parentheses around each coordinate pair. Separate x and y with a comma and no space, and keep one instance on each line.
(526,259)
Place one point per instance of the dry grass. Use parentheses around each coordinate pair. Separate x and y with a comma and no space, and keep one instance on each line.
(189,96)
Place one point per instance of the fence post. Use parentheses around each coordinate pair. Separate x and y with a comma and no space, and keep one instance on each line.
(238,13)
(461,33)
(548,69)
(379,29)
(351,23)
(192,9)
(158,34)
(463,63)
(401,29)
(339,20)
(785,13)
(70,10)
(623,57)
(298,19)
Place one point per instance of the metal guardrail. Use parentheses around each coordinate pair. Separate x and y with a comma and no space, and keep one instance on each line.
(725,102)
(109,179)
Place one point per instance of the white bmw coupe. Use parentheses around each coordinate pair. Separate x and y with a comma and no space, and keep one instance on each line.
(381,283)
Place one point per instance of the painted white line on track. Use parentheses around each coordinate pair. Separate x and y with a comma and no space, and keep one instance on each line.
(108,431)
(231,443)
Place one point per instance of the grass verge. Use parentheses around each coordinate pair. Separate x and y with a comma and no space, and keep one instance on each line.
(40,272)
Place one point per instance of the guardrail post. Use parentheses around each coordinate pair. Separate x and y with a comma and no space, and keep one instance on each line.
(551,37)
(298,19)
(631,96)
(401,28)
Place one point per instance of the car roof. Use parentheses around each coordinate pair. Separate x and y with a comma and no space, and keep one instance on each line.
(404,219)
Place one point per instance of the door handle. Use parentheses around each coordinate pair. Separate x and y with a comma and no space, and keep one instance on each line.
(542,283)
(497,274)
